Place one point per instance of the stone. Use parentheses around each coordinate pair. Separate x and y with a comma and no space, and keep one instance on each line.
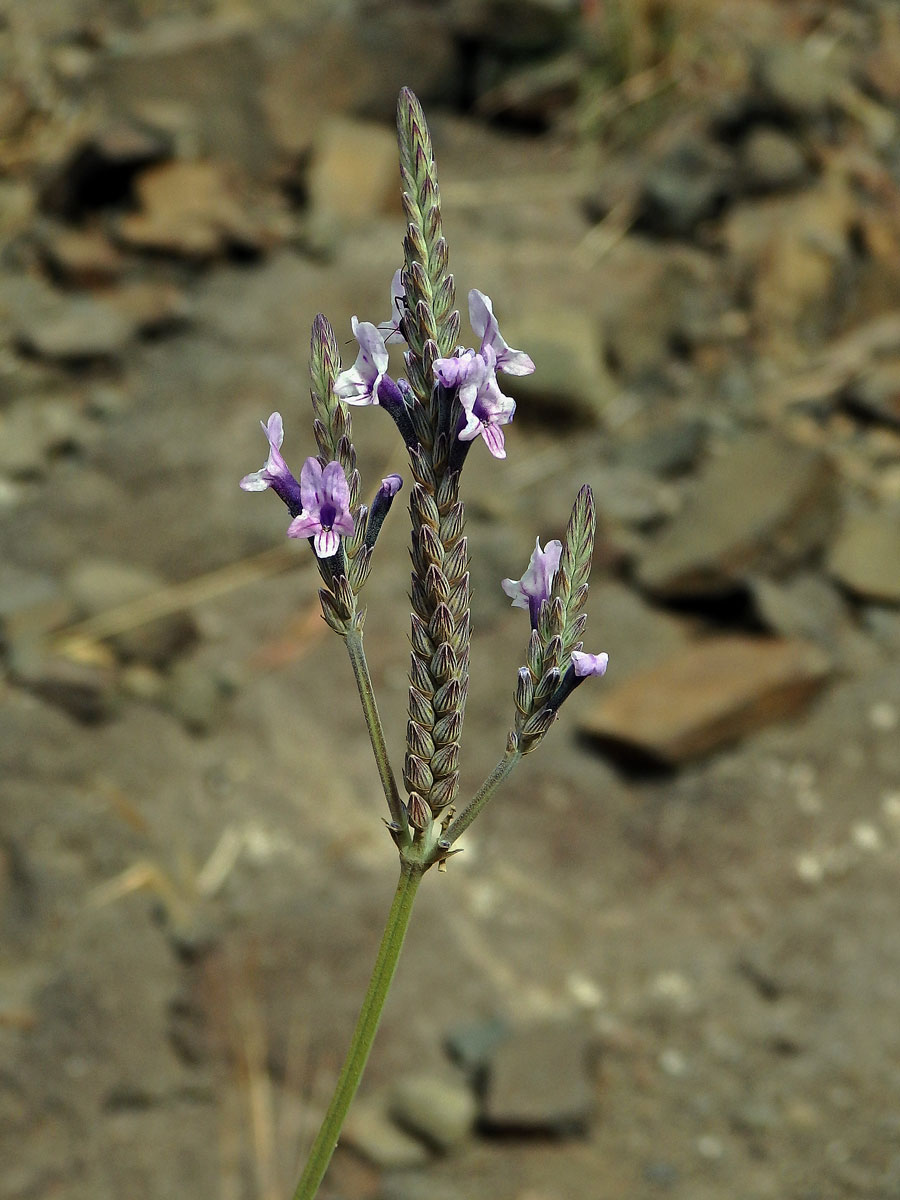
(195,80)
(354,171)
(34,429)
(470,1046)
(196,694)
(571,382)
(371,1133)
(193,210)
(440,1111)
(97,586)
(704,697)
(82,258)
(83,686)
(875,393)
(690,183)
(154,306)
(805,606)
(865,555)
(31,603)
(771,161)
(760,506)
(17,207)
(628,496)
(797,84)
(670,449)
(538,1082)
(73,330)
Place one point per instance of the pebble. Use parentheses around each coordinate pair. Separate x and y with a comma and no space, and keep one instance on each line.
(865,556)
(538,1082)
(197,694)
(471,1046)
(31,603)
(73,330)
(85,690)
(800,85)
(875,393)
(370,1132)
(704,697)
(673,449)
(689,184)
(771,161)
(440,1111)
(354,171)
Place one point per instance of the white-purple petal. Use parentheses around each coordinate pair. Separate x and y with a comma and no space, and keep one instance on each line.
(483,321)
(589,664)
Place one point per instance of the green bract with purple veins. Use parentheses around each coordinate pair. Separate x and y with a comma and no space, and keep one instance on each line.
(534,587)
(326,507)
(275,473)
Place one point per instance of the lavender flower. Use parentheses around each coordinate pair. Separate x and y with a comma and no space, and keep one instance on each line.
(474,373)
(534,587)
(483,321)
(360,383)
(580,668)
(326,507)
(275,473)
(589,664)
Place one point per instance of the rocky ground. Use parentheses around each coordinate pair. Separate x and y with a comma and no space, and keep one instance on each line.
(668,962)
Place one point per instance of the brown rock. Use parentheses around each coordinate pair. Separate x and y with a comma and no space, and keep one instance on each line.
(538,1082)
(706,696)
(153,306)
(865,556)
(82,257)
(876,393)
(354,173)
(192,210)
(762,505)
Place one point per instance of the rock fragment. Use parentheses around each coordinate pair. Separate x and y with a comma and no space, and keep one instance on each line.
(706,696)
(371,1133)
(762,505)
(538,1083)
(440,1111)
(865,556)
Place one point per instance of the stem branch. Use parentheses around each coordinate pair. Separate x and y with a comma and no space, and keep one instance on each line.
(503,768)
(364,1034)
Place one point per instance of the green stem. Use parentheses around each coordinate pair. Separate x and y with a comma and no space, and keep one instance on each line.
(376,733)
(364,1034)
(503,768)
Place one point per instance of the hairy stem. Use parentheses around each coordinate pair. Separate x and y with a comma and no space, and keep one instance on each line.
(354,640)
(364,1034)
(503,768)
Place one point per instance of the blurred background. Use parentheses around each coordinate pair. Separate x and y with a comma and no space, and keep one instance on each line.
(668,962)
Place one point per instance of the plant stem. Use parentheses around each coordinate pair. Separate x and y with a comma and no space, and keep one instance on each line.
(364,1034)
(503,768)
(376,733)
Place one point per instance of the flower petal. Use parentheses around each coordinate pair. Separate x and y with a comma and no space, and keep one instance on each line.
(589,664)
(326,543)
(307,525)
(311,491)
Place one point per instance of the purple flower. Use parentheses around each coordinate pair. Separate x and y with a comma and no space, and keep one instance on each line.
(474,373)
(589,664)
(534,587)
(391,327)
(483,321)
(359,384)
(326,507)
(274,473)
(484,405)
(381,506)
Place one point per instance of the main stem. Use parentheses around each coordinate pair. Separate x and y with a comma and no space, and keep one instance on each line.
(373,724)
(364,1034)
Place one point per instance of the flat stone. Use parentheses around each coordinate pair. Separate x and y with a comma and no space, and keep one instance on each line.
(196,693)
(74,329)
(629,496)
(193,210)
(154,306)
(538,1083)
(32,430)
(470,1046)
(82,258)
(83,688)
(572,381)
(865,556)
(706,696)
(690,183)
(807,606)
(637,635)
(760,506)
(672,449)
(371,1133)
(98,585)
(354,171)
(439,1110)
(800,85)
